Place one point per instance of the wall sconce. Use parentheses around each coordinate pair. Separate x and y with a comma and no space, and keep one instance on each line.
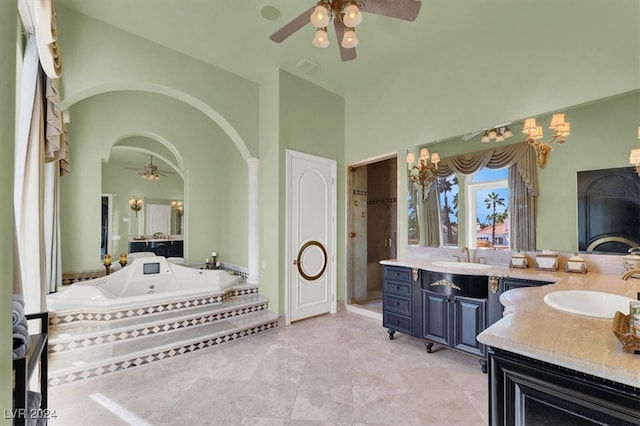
(424,172)
(634,157)
(561,129)
(135,205)
(178,207)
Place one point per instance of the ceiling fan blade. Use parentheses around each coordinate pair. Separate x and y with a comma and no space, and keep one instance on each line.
(400,9)
(293,26)
(345,54)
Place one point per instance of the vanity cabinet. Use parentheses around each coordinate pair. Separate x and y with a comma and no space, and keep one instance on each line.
(494,307)
(164,247)
(444,308)
(454,310)
(397,300)
(525,391)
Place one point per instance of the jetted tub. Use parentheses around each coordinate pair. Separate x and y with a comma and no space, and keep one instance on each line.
(147,279)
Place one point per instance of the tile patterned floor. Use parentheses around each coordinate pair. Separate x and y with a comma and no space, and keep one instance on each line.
(330,370)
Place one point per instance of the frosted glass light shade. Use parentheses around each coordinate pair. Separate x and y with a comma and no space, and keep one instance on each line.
(411,158)
(320,17)
(424,154)
(352,16)
(634,157)
(320,39)
(507,133)
(435,158)
(638,132)
(349,40)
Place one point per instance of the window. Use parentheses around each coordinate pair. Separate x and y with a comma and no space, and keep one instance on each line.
(448,199)
(488,209)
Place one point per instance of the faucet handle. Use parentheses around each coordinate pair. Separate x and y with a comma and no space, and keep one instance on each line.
(481,260)
(457,257)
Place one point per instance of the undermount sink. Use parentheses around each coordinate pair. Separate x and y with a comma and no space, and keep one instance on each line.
(465,265)
(590,303)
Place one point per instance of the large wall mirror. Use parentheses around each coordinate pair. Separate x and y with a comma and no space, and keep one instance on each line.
(474,210)
(143,204)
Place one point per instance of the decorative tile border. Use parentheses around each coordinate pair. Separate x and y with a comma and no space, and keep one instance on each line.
(152,329)
(67,317)
(157,356)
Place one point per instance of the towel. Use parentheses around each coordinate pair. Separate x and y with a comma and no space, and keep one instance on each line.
(17,313)
(21,339)
(34,412)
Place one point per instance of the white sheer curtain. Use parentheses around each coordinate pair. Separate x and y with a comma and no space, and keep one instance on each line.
(41,154)
(28,182)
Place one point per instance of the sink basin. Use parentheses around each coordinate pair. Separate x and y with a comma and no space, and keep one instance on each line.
(590,303)
(465,265)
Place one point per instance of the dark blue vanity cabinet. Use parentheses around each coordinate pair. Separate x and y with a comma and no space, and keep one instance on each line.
(454,310)
(397,300)
(448,309)
(164,247)
(526,391)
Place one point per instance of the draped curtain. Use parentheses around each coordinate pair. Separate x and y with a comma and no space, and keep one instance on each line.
(523,186)
(41,156)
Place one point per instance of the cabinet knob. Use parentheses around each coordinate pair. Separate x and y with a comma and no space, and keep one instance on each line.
(397,322)
(397,303)
(397,287)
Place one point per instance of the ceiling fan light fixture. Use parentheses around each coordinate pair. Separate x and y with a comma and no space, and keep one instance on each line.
(320,16)
(352,16)
(350,40)
(485,137)
(321,40)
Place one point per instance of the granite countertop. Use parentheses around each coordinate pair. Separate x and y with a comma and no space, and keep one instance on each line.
(535,330)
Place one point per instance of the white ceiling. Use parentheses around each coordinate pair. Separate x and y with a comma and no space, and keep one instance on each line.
(448,34)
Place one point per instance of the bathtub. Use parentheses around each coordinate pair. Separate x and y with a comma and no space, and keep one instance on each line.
(147,280)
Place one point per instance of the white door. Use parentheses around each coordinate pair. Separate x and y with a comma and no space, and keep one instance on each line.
(158,219)
(311,235)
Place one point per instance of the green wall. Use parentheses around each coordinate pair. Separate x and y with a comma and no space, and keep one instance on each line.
(8,32)
(312,121)
(215,184)
(124,184)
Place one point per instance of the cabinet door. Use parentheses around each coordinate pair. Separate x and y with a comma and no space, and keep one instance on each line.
(469,320)
(435,317)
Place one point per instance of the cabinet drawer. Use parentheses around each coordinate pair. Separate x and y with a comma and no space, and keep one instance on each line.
(397,287)
(397,322)
(397,273)
(397,304)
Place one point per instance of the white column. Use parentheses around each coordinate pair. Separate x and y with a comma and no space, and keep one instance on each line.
(253,252)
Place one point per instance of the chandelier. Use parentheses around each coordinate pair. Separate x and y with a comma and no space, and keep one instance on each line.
(561,129)
(346,11)
(634,156)
(498,134)
(425,171)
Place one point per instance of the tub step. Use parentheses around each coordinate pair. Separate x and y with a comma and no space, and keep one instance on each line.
(80,335)
(72,366)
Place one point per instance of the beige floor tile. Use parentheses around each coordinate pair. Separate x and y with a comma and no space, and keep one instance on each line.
(330,370)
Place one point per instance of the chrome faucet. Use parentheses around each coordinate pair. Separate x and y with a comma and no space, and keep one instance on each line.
(630,272)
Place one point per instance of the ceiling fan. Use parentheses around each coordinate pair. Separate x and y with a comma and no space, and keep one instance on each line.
(346,16)
(150,171)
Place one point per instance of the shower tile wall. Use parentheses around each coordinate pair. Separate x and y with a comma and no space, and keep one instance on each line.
(382,219)
(359,228)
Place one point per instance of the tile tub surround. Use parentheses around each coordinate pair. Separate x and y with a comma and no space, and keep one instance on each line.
(538,331)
